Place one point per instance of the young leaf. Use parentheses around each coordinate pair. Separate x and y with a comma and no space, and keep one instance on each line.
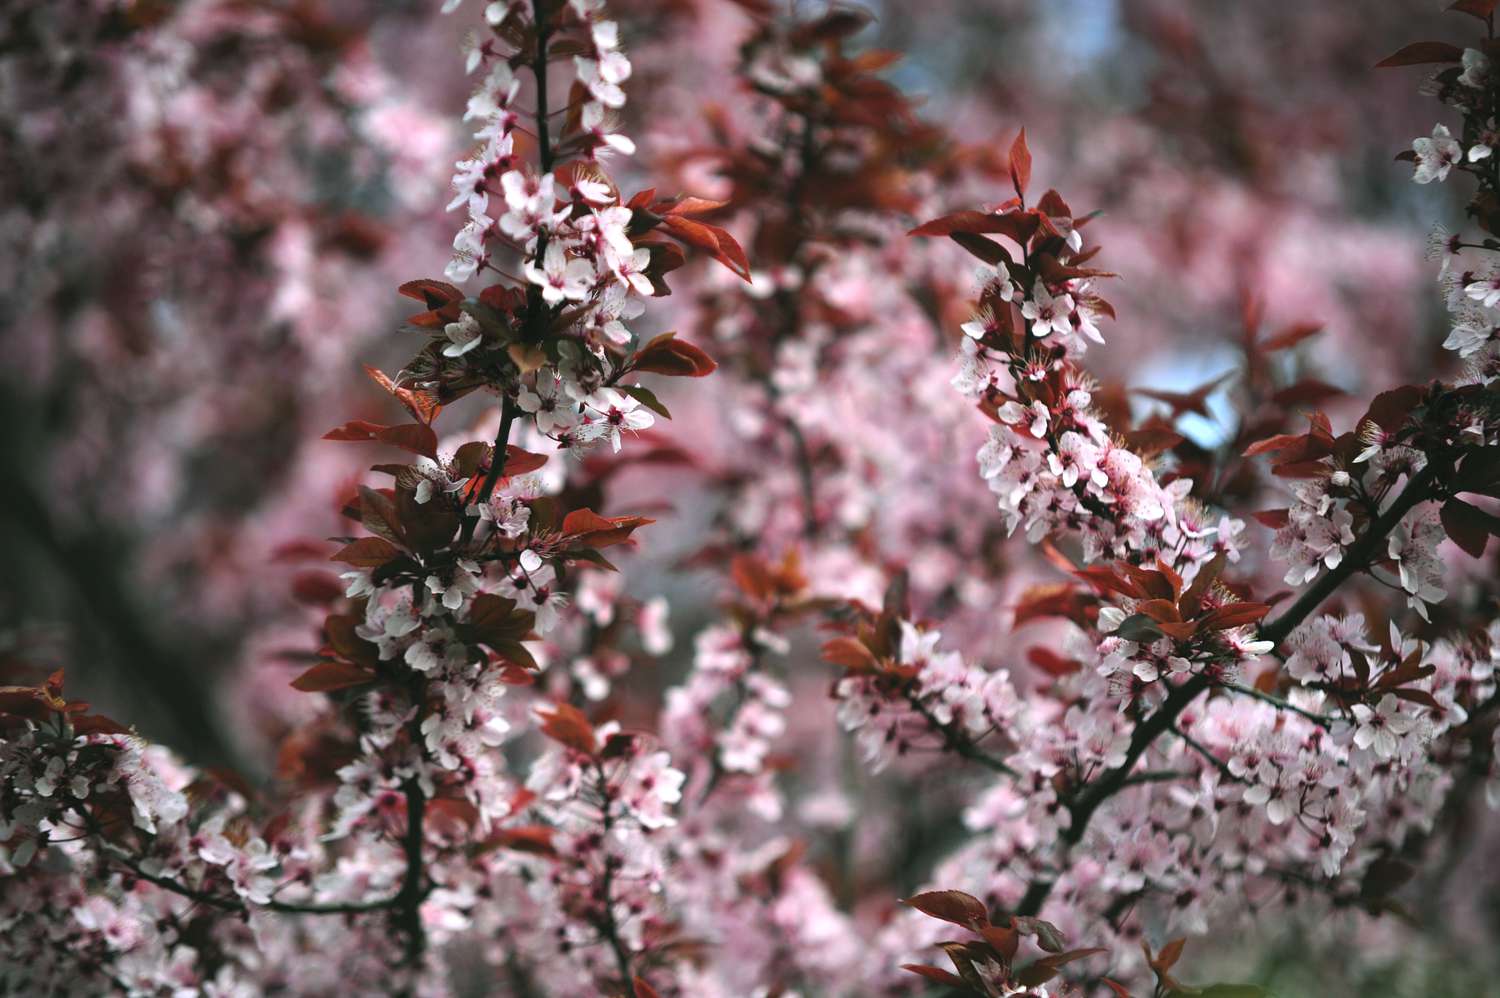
(328,676)
(562,722)
(367,552)
(1422,53)
(848,653)
(647,398)
(1047,935)
(668,355)
(1020,164)
(354,430)
(937,974)
(415,437)
(718,243)
(1468,526)
(1481,9)
(951,906)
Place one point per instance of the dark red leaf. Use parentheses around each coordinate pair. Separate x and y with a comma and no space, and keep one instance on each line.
(1168,955)
(328,676)
(1234,615)
(712,239)
(987,250)
(1020,164)
(1291,336)
(587,528)
(1273,518)
(1051,662)
(432,293)
(668,355)
(1481,9)
(562,722)
(1421,53)
(367,552)
(1308,391)
(519,461)
(1467,526)
(1016,226)
(937,974)
(415,437)
(848,653)
(317,588)
(951,906)
(355,429)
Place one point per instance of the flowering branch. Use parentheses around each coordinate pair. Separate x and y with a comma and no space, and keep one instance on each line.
(1357,557)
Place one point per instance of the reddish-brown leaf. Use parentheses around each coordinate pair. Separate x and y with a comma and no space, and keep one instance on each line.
(562,722)
(535,839)
(937,974)
(355,429)
(751,574)
(415,437)
(441,301)
(495,620)
(1273,518)
(1005,939)
(1481,9)
(1160,610)
(985,249)
(432,293)
(367,552)
(1291,336)
(951,906)
(1051,662)
(687,204)
(1280,441)
(1020,164)
(328,676)
(1390,409)
(1234,615)
(1419,696)
(344,639)
(1104,580)
(668,355)
(588,528)
(1168,955)
(1062,959)
(316,587)
(97,724)
(1048,937)
(1308,391)
(1018,227)
(1467,526)
(848,653)
(1422,53)
(422,407)
(519,461)
(712,239)
(30,702)
(1037,973)
(1051,599)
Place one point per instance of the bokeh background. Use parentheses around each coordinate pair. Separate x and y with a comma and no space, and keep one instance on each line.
(206,207)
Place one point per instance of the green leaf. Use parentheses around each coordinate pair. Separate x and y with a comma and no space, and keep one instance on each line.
(1138,627)
(647,398)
